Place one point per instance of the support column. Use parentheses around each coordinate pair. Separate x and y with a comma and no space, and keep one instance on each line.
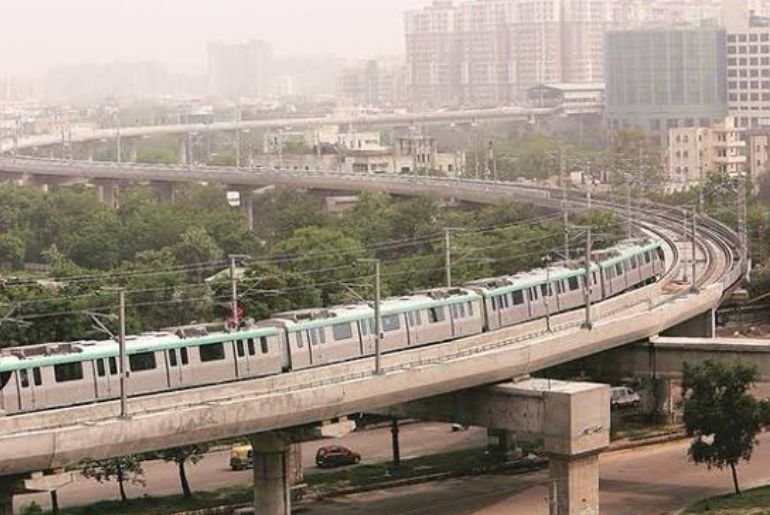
(165,190)
(574,484)
(396,445)
(272,493)
(9,486)
(107,192)
(502,443)
(183,149)
(702,326)
(656,397)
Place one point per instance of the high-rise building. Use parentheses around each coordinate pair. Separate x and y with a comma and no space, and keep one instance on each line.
(659,79)
(239,70)
(373,82)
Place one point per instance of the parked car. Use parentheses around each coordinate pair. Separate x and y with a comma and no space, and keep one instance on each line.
(335,456)
(241,457)
(623,397)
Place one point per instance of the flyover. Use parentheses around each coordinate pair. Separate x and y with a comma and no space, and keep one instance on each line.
(57,438)
(516,114)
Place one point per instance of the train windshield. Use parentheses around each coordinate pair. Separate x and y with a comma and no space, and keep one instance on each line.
(4,378)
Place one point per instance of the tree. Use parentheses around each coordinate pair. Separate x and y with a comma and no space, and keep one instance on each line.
(182,455)
(720,413)
(127,469)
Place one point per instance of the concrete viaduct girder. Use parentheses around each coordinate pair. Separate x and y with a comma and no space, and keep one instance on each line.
(572,418)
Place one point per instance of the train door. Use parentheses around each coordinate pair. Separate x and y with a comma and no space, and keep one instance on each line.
(366,328)
(317,339)
(25,382)
(243,365)
(175,368)
(102,378)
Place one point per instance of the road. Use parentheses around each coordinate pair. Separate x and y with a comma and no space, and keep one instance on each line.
(646,481)
(214,472)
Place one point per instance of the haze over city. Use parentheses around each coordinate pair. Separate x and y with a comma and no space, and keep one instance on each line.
(48,33)
(454,257)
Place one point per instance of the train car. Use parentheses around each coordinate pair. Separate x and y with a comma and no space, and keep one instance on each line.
(63,374)
(505,302)
(628,265)
(320,336)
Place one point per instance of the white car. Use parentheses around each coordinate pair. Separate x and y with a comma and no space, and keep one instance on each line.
(623,397)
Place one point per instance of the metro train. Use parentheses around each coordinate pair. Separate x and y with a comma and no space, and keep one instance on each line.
(39,377)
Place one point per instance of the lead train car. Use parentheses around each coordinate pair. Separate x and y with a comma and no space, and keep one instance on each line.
(64,374)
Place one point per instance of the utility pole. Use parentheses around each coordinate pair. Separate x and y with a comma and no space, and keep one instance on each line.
(587,282)
(233,293)
(629,224)
(700,189)
(395,442)
(377,321)
(448,253)
(118,149)
(122,352)
(548,293)
(238,138)
(589,185)
(685,278)
(692,249)
(564,207)
(742,215)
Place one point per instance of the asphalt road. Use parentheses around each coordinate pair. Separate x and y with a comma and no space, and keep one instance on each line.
(646,481)
(654,480)
(214,472)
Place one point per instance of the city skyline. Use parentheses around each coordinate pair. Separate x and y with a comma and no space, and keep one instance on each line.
(326,27)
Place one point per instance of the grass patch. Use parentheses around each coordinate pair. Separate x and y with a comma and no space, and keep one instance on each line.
(165,505)
(750,502)
(320,482)
(635,426)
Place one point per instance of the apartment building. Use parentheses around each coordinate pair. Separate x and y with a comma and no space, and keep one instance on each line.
(695,152)
(239,70)
(373,82)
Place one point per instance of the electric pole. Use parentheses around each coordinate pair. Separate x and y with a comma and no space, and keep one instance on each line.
(564,207)
(692,249)
(548,293)
(629,224)
(587,281)
(377,321)
(685,278)
(238,138)
(742,215)
(122,352)
(448,253)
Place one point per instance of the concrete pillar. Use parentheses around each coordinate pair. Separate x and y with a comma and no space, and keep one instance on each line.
(272,485)
(183,149)
(656,397)
(502,443)
(107,192)
(574,484)
(9,486)
(395,444)
(165,190)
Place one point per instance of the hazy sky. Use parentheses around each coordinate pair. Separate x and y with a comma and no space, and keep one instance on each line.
(38,34)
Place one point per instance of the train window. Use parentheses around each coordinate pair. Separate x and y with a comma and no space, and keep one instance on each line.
(461,307)
(212,352)
(37,376)
(172,358)
(470,309)
(364,327)
(113,366)
(371,326)
(647,257)
(263,344)
(518,298)
(100,370)
(596,279)
(183,355)
(239,348)
(418,317)
(574,284)
(410,317)
(141,362)
(342,331)
(390,323)
(453,311)
(68,372)
(533,294)
(633,262)
(312,338)
(300,343)
(494,303)
(252,349)
(322,334)
(4,378)
(437,314)
(544,290)
(24,378)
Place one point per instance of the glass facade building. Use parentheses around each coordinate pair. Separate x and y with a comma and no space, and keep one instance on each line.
(659,79)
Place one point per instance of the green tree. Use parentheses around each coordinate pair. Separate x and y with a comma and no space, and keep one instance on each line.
(181,456)
(157,156)
(268,289)
(127,469)
(721,414)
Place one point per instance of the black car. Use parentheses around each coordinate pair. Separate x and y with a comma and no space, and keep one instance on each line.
(336,456)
